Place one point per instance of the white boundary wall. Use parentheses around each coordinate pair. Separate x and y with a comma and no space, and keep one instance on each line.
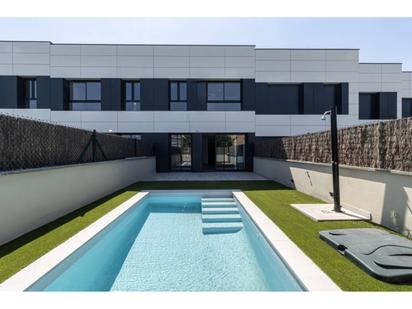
(32,198)
(386,195)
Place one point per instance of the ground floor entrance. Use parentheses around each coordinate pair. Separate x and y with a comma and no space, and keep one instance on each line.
(201,152)
(223,152)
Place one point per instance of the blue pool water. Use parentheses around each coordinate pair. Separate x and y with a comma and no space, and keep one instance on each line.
(158,245)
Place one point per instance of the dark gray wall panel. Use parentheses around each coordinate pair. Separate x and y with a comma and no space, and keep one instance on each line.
(249,151)
(343,99)
(317,99)
(248,94)
(43,91)
(378,105)
(154,94)
(8,92)
(59,94)
(111,94)
(406,108)
(387,105)
(278,98)
(159,142)
(196,95)
(197,152)
(368,105)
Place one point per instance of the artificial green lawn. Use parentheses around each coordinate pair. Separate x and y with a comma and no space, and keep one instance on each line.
(274,199)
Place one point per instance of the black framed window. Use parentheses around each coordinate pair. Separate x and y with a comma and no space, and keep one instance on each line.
(30,93)
(377,105)
(85,96)
(406,107)
(131,96)
(180,152)
(178,96)
(224,96)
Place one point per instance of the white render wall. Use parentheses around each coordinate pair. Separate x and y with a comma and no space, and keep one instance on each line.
(76,61)
(385,195)
(50,193)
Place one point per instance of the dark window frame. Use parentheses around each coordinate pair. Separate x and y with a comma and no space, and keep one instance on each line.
(375,98)
(226,101)
(178,99)
(191,153)
(403,112)
(124,96)
(86,100)
(31,84)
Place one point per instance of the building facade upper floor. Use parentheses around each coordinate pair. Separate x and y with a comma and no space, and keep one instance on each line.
(273,84)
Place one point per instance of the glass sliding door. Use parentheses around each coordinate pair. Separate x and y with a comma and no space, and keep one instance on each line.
(230,151)
(180,152)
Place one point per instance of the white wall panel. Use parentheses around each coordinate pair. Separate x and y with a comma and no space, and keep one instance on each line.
(31,47)
(172,127)
(342,54)
(308,54)
(143,116)
(273,65)
(171,51)
(6,69)
(204,62)
(98,61)
(6,47)
(31,58)
(6,58)
(238,73)
(65,72)
(98,50)
(135,61)
(140,127)
(65,61)
(66,50)
(31,69)
(267,130)
(273,54)
(207,51)
(133,50)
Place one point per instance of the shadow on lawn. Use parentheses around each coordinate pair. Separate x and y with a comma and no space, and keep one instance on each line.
(11,246)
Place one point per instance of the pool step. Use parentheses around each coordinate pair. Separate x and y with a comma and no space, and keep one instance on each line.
(217,199)
(220,215)
(220,211)
(218,204)
(222,218)
(222,227)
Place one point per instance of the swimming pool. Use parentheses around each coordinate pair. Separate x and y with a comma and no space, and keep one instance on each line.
(176,241)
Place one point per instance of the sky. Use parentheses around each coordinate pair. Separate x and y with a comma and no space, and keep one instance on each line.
(379,39)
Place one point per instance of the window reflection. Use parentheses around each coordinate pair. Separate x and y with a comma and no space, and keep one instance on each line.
(181,151)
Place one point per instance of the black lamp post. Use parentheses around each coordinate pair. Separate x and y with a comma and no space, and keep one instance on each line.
(335,156)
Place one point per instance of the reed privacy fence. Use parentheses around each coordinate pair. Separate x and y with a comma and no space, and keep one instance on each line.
(28,143)
(383,145)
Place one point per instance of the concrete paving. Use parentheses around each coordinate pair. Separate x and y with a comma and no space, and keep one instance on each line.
(207,176)
(325,212)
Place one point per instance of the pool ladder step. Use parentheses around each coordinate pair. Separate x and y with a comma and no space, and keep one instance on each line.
(220,215)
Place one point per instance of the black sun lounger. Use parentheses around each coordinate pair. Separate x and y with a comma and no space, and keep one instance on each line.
(383,255)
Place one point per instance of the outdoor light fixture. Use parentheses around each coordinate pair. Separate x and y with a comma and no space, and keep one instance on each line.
(335,156)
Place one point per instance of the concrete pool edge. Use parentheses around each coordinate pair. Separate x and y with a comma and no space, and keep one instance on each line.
(27,276)
(304,269)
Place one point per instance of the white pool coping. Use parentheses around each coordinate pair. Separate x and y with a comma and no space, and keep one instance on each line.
(34,271)
(307,272)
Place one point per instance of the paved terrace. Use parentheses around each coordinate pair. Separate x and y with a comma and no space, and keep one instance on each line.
(207,176)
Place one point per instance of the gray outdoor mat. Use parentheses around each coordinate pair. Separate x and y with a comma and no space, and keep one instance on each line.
(383,255)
